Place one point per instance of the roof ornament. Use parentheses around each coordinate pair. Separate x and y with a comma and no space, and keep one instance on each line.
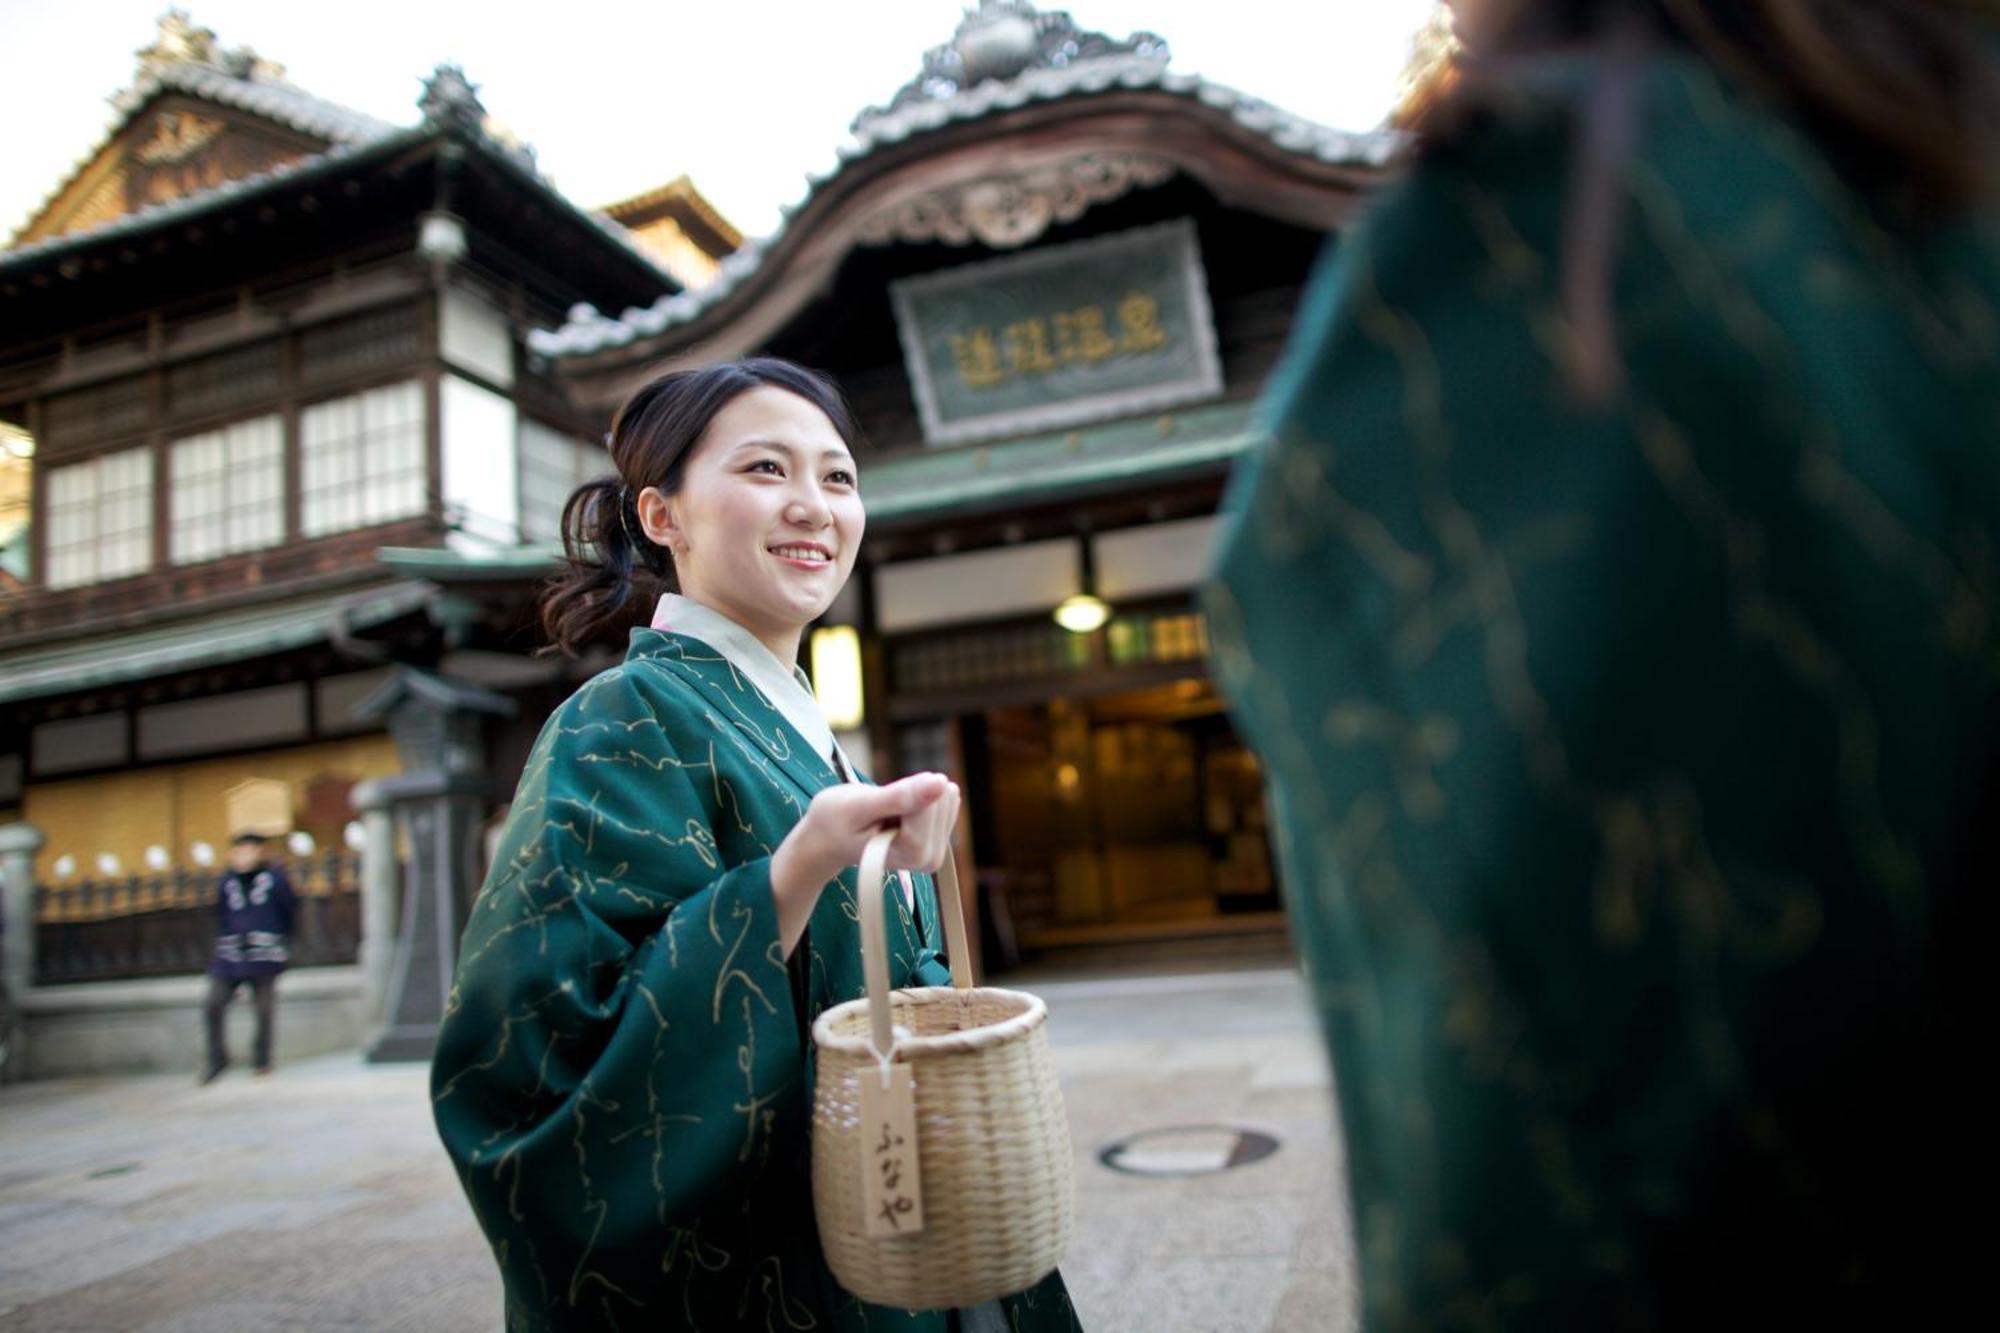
(1009,211)
(452,100)
(1001,40)
(181,42)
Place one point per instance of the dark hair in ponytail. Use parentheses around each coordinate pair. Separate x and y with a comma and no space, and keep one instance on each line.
(613,572)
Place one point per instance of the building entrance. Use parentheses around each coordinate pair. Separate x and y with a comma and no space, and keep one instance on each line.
(1124,816)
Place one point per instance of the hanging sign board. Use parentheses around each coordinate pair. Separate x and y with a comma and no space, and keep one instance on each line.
(1059,335)
(258,805)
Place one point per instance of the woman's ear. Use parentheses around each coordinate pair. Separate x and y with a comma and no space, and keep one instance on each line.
(657,518)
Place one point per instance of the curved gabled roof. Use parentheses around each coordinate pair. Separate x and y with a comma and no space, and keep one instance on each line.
(911,118)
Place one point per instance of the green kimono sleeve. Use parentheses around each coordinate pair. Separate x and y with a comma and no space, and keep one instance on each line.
(1618,750)
(621,1024)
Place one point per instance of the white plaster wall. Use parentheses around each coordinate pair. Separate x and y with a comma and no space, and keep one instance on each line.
(337,695)
(474,335)
(84,742)
(247,717)
(1160,557)
(981,585)
(482,473)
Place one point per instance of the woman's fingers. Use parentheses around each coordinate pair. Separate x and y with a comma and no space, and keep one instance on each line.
(924,838)
(907,797)
(924,808)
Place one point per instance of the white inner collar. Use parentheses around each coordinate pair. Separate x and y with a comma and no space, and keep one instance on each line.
(785,685)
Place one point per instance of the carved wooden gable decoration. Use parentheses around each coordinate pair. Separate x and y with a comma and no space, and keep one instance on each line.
(197,115)
(174,146)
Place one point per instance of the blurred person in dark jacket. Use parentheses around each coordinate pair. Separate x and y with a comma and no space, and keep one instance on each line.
(254,911)
(1613,603)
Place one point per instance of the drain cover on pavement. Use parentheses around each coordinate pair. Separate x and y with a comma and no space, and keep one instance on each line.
(1187,1150)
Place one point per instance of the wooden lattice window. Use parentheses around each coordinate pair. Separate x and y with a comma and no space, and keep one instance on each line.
(228,490)
(362,459)
(117,408)
(100,516)
(552,466)
(360,343)
(242,377)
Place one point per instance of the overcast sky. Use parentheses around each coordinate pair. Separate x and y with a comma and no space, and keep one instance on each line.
(746,96)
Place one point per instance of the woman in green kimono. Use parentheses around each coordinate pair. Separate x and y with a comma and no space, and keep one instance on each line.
(624,1074)
(1616,605)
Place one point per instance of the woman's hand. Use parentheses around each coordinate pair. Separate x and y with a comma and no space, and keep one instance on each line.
(837,825)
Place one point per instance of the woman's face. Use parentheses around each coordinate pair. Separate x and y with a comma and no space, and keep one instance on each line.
(768,518)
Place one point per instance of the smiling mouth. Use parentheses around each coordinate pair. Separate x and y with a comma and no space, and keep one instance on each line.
(803,554)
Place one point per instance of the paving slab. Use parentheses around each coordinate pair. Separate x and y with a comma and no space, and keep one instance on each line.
(317,1199)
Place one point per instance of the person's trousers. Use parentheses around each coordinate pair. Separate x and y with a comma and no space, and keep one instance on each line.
(264,990)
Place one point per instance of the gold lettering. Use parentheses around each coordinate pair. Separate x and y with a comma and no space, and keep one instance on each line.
(1028,346)
(1080,336)
(1090,343)
(978,358)
(1139,320)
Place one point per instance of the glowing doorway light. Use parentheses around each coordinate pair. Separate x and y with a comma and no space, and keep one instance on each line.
(1082,613)
(836,669)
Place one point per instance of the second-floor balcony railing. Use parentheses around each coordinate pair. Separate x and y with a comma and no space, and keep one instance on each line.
(164,924)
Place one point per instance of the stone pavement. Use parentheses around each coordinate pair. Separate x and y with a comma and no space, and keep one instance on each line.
(317,1199)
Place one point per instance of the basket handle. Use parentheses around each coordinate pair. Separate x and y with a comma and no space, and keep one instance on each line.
(874,934)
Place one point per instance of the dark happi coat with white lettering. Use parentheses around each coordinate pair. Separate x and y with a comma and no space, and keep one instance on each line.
(254,910)
(624,1076)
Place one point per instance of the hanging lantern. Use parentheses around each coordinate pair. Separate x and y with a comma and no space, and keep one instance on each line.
(1082,613)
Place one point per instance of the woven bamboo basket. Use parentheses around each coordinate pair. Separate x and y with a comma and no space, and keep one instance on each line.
(999,1188)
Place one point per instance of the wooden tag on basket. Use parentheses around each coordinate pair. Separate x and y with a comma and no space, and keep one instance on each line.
(891,1188)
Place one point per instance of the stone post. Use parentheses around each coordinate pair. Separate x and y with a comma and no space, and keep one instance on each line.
(380,874)
(18,845)
(437,800)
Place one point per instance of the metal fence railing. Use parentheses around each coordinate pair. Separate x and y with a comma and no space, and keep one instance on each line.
(164,924)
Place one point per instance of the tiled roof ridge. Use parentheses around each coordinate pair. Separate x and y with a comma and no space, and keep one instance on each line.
(587,330)
(274,99)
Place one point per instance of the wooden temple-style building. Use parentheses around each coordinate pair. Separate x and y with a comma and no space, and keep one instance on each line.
(305,392)
(255,340)
(1053,274)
